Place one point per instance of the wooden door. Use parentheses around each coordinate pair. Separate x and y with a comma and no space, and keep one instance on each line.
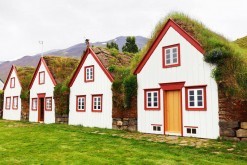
(41,109)
(173,114)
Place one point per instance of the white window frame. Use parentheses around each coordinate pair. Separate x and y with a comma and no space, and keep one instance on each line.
(81,103)
(97,102)
(150,98)
(42,77)
(89,71)
(171,56)
(15,102)
(195,97)
(48,103)
(8,103)
(34,103)
(12,82)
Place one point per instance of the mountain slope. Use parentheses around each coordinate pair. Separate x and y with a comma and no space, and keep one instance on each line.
(73,51)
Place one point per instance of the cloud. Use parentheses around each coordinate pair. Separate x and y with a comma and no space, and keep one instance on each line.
(62,23)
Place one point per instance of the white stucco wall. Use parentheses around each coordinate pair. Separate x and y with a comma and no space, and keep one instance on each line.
(194,71)
(12,114)
(101,85)
(47,89)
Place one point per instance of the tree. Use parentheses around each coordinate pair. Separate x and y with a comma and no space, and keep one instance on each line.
(112,45)
(130,45)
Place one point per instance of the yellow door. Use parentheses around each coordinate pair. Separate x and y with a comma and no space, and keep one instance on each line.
(173,116)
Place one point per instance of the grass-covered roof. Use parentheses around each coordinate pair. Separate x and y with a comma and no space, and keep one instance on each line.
(61,68)
(25,75)
(112,59)
(229,58)
(242,42)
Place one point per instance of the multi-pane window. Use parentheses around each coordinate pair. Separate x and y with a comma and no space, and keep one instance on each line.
(81,103)
(48,103)
(15,102)
(171,56)
(34,103)
(41,77)
(89,73)
(196,98)
(8,103)
(97,103)
(12,82)
(152,99)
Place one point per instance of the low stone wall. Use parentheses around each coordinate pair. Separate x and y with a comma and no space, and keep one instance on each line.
(233,130)
(129,124)
(62,119)
(232,118)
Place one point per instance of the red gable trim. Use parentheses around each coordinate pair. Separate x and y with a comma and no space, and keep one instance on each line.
(88,51)
(13,68)
(36,72)
(170,23)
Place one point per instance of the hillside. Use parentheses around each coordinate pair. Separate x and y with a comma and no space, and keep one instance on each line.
(73,51)
(242,42)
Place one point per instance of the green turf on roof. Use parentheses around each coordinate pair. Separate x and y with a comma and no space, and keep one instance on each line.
(25,75)
(242,42)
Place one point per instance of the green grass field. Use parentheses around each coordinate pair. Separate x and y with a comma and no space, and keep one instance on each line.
(32,143)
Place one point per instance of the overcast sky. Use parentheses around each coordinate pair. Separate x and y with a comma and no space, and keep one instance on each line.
(63,23)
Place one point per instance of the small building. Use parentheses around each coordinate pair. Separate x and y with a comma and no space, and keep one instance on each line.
(16,93)
(91,95)
(1,84)
(177,94)
(51,73)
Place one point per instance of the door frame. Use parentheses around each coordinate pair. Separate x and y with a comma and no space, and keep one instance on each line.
(40,96)
(173,86)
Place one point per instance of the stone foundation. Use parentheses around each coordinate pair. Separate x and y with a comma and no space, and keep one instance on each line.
(129,124)
(62,119)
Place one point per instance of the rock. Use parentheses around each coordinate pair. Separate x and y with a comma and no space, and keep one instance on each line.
(244,139)
(228,132)
(242,133)
(231,139)
(244,125)
(229,124)
(132,128)
(119,123)
(230,149)
(125,123)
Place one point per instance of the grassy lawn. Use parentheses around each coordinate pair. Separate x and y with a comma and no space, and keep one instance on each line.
(32,143)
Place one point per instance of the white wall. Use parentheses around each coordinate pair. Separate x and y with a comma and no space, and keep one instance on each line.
(12,114)
(47,88)
(101,85)
(194,71)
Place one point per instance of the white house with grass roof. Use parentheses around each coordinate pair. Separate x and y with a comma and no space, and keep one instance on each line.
(176,92)
(1,84)
(91,102)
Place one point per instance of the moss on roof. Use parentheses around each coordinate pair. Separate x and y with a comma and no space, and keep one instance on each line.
(61,68)
(242,42)
(112,59)
(25,75)
(229,58)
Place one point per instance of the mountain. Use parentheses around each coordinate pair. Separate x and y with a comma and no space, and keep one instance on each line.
(242,42)
(73,51)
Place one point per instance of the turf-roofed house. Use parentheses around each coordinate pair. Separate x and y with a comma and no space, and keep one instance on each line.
(1,84)
(16,94)
(177,79)
(48,88)
(91,95)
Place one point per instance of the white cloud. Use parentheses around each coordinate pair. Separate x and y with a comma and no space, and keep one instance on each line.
(62,23)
